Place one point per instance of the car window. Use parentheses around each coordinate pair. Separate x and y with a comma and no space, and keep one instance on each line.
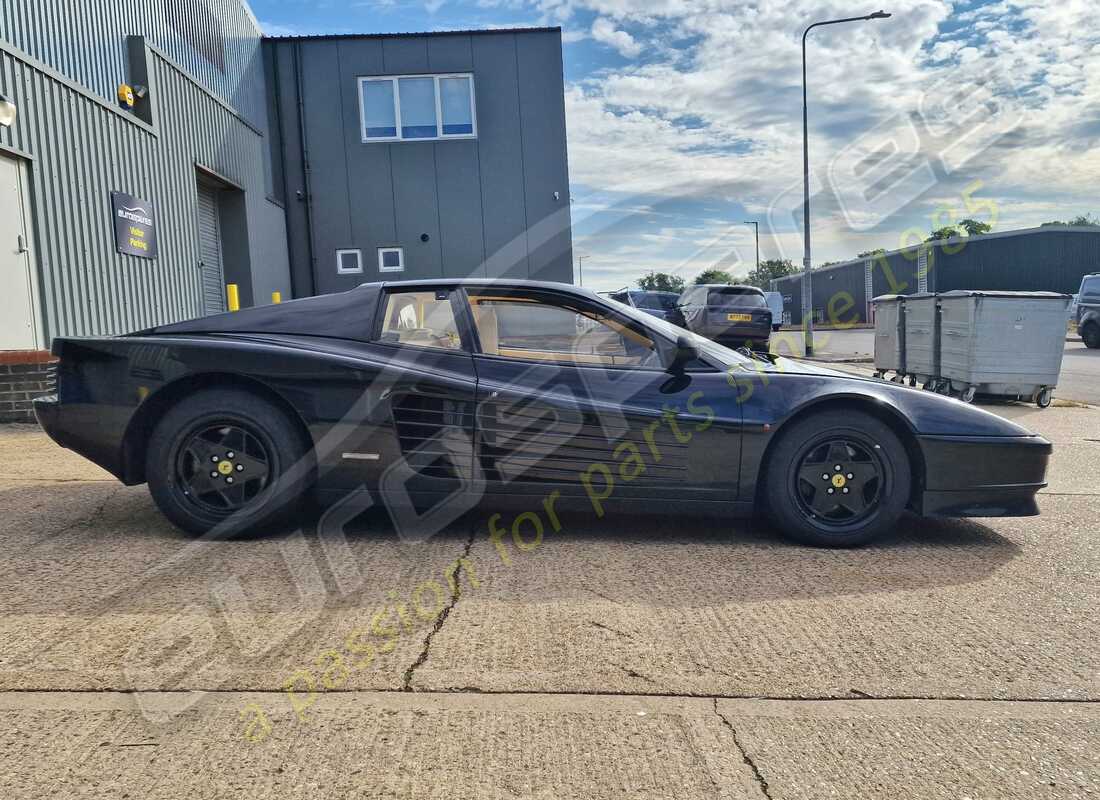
(1091,286)
(533,328)
(655,300)
(726,298)
(423,319)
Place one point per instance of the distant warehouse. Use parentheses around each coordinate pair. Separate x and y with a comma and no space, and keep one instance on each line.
(1050,258)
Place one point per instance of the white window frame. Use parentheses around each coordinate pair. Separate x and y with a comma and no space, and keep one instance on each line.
(341,270)
(439,134)
(401,255)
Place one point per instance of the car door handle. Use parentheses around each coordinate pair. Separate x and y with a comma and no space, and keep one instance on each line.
(21,242)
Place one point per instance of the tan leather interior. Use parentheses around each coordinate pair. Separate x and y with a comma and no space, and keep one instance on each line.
(488,328)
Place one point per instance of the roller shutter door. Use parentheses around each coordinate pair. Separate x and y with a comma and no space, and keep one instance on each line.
(210,252)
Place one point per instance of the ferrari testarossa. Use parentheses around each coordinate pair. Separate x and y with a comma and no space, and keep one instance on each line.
(439,394)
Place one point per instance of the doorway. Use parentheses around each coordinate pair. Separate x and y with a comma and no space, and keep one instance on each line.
(210,249)
(18,328)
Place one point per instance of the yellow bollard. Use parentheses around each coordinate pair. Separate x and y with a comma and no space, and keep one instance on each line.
(233,297)
(276,297)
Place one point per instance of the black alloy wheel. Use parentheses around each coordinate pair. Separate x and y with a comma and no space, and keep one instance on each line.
(838,482)
(226,462)
(836,478)
(223,467)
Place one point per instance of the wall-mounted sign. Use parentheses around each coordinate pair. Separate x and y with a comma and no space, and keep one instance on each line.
(135,225)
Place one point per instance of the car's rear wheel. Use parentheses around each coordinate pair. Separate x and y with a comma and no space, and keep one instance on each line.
(1091,335)
(837,479)
(226,462)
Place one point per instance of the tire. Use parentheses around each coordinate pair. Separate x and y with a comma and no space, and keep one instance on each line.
(260,464)
(968,394)
(1091,336)
(1044,397)
(791,494)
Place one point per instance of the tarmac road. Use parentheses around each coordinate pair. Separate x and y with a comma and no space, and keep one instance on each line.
(635,657)
(1079,381)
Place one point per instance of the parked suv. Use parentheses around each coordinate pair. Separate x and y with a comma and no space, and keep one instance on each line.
(734,316)
(659,304)
(1088,310)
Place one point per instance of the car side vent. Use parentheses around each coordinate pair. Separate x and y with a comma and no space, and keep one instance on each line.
(435,434)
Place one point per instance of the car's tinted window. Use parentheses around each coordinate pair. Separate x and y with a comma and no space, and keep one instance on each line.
(538,329)
(1091,285)
(654,300)
(736,298)
(423,319)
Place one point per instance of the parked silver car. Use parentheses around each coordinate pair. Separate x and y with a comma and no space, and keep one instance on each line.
(1088,310)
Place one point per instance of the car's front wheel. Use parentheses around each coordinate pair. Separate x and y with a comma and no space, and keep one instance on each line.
(226,462)
(837,479)
(1091,335)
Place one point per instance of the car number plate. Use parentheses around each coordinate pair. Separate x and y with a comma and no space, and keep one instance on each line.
(739,317)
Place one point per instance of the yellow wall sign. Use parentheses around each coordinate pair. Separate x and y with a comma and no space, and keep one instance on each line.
(125,95)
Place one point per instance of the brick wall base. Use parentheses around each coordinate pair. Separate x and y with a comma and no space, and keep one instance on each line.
(24,375)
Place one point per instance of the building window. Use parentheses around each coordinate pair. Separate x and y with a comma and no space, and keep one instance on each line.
(349,262)
(391,259)
(417,107)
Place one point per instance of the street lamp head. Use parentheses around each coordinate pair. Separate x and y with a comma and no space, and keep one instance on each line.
(879,15)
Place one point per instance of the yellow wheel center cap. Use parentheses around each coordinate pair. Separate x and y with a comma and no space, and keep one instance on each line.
(225,467)
(839,481)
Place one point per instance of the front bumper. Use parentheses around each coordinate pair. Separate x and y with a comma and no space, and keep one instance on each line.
(983,476)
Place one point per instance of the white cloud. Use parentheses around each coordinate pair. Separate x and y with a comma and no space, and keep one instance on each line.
(603,30)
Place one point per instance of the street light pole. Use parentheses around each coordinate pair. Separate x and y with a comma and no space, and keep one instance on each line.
(807,279)
(756,225)
(580,270)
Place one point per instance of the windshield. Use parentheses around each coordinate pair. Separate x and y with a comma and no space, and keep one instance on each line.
(735,298)
(662,301)
(722,356)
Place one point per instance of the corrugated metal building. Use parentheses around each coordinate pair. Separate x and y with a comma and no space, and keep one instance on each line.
(443,152)
(198,128)
(1049,258)
(297,166)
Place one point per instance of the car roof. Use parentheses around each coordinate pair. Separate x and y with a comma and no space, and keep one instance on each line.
(741,287)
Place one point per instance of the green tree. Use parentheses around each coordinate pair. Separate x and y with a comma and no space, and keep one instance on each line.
(974,228)
(1087,220)
(878,251)
(946,232)
(770,270)
(713,276)
(661,282)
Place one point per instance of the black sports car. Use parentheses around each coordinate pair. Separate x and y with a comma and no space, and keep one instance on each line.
(436,396)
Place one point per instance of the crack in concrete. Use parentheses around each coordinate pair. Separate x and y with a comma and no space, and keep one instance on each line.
(761,781)
(82,522)
(406,684)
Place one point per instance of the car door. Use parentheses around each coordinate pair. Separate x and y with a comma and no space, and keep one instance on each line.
(416,442)
(570,391)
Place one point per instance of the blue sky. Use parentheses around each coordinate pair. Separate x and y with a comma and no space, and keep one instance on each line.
(684,119)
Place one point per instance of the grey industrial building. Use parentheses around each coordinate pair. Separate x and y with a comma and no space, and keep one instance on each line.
(1049,258)
(297,166)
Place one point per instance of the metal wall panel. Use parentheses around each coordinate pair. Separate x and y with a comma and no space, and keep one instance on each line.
(1050,259)
(80,149)
(474,200)
(217,42)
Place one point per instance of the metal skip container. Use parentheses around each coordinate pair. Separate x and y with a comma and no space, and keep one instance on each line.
(890,336)
(922,339)
(1002,343)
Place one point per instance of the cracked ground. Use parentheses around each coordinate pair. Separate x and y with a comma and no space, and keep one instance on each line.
(631,657)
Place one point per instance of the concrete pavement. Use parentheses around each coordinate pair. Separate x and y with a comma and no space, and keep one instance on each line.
(629,657)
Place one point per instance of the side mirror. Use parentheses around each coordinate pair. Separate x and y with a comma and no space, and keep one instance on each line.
(684,353)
